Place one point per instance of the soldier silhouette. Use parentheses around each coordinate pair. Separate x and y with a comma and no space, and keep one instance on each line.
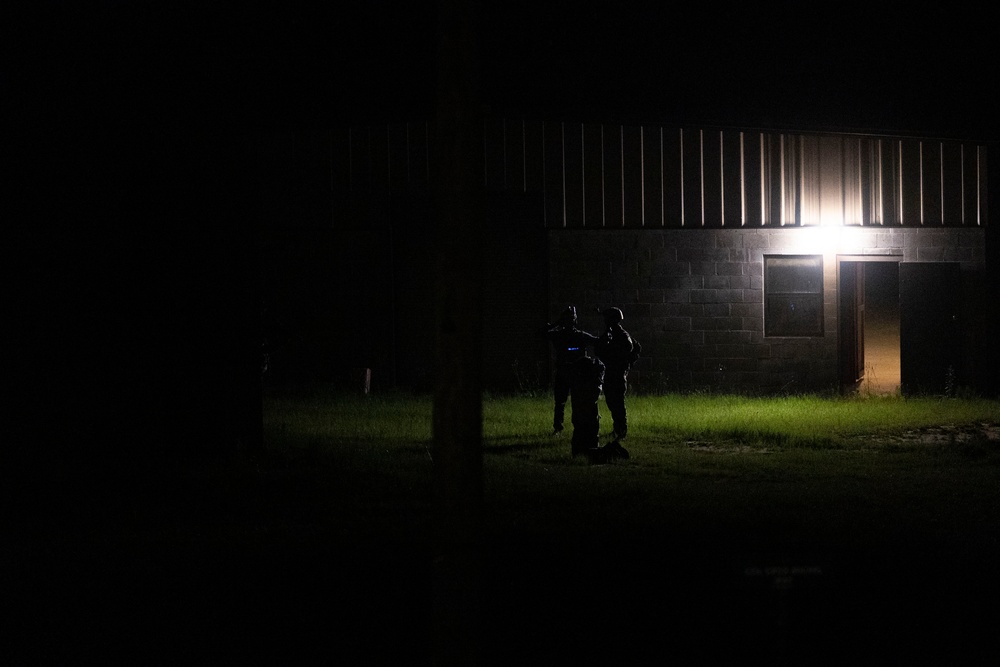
(618,351)
(578,377)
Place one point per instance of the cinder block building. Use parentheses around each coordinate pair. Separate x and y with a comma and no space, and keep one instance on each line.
(745,260)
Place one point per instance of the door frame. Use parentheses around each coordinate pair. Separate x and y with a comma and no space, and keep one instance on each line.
(851,318)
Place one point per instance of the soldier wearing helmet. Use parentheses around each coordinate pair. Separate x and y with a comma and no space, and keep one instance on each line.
(618,351)
(577,376)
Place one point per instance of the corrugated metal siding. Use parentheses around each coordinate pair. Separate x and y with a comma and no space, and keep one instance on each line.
(615,176)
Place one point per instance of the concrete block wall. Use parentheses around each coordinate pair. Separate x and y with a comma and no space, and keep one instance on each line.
(694,298)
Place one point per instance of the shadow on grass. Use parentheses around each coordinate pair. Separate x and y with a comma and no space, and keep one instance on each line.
(321,551)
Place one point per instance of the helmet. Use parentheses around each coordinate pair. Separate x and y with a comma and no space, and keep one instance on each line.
(613,316)
(568,316)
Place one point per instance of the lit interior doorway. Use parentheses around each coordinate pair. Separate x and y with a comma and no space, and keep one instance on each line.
(881,328)
(869,325)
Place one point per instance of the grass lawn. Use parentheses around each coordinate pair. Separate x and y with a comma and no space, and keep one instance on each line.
(797,469)
(800,524)
(794,530)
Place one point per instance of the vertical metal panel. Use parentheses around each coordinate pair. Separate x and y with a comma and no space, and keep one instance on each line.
(970,185)
(534,167)
(951,183)
(418,158)
(791,178)
(811,180)
(871,182)
(573,173)
(973,185)
(672,177)
(930,182)
(868,182)
(632,176)
(752,196)
(852,175)
(890,182)
(732,179)
(513,155)
(711,155)
(593,175)
(772,186)
(652,177)
(692,183)
(552,141)
(493,150)
(613,213)
(831,195)
(910,175)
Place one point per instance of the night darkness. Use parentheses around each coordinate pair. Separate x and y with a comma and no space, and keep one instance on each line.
(878,67)
(134,130)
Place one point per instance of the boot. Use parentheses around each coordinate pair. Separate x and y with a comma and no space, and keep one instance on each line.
(610,452)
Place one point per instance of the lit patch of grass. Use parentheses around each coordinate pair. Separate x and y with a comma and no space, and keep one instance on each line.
(521,425)
(809,421)
(807,466)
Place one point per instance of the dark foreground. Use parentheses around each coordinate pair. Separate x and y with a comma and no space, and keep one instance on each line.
(175,573)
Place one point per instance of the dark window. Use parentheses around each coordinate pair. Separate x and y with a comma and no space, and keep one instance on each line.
(793,295)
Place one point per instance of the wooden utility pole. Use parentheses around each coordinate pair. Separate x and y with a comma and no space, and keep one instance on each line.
(458,323)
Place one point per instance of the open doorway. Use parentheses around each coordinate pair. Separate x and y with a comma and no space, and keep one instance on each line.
(869,325)
(881,331)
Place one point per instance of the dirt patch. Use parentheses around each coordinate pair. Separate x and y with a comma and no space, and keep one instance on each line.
(725,447)
(984,432)
(938,435)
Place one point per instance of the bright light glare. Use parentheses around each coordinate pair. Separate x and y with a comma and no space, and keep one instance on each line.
(828,240)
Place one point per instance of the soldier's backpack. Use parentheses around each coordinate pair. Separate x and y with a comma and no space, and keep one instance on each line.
(634,354)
